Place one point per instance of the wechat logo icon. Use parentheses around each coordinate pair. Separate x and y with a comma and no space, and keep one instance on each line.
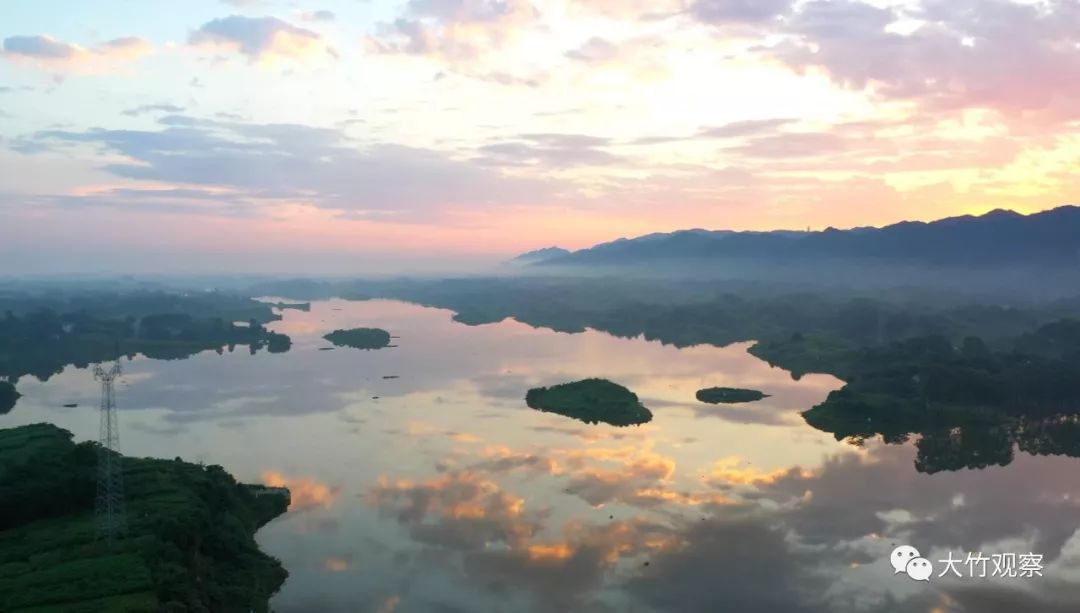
(906,559)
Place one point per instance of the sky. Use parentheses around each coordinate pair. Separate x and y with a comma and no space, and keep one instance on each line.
(344,136)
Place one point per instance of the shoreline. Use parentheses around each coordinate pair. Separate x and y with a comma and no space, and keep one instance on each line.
(189,543)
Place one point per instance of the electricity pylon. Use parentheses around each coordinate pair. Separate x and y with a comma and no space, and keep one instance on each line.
(109,507)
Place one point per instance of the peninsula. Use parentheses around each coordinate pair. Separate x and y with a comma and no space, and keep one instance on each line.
(189,542)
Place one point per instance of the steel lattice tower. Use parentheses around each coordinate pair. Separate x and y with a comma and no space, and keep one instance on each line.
(111,517)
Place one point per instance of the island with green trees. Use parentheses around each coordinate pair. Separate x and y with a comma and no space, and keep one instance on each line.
(591,401)
(188,546)
(296,306)
(360,338)
(729,395)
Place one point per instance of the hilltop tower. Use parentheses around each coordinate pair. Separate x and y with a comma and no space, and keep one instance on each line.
(109,507)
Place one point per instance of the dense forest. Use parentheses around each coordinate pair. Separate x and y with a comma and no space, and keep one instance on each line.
(188,546)
(969,403)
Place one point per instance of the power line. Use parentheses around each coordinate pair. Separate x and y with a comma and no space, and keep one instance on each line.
(109,507)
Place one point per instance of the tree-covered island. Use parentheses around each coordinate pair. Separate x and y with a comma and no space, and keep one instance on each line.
(729,395)
(360,338)
(591,401)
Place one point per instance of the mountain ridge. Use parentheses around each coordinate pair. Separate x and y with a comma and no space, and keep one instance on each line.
(539,255)
(995,238)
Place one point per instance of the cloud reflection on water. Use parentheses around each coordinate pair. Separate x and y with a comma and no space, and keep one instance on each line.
(447,493)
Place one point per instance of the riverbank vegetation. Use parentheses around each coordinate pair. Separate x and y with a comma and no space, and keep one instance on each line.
(189,544)
(970,377)
(41,334)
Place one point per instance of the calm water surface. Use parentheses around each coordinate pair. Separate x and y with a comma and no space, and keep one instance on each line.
(441,491)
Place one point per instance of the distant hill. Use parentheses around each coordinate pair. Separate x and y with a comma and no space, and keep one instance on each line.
(998,238)
(540,255)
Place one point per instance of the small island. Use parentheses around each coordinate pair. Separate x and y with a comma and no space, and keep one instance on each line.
(360,338)
(8,396)
(189,544)
(296,306)
(591,401)
(729,395)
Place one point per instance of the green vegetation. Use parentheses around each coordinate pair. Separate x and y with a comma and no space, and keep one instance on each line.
(801,354)
(729,395)
(189,545)
(8,396)
(297,306)
(960,373)
(360,338)
(41,334)
(591,401)
(966,375)
(969,403)
(694,311)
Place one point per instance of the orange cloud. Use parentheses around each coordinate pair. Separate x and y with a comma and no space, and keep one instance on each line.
(390,604)
(502,458)
(556,553)
(336,565)
(660,495)
(735,471)
(307,493)
(459,509)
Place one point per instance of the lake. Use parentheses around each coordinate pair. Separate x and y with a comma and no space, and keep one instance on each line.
(439,490)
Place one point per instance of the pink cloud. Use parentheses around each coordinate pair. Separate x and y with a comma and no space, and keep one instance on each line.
(454,31)
(1020,59)
(44,51)
(261,38)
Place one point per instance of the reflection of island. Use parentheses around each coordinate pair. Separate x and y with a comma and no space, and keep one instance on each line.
(189,544)
(41,334)
(591,401)
(360,338)
(729,395)
(8,396)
